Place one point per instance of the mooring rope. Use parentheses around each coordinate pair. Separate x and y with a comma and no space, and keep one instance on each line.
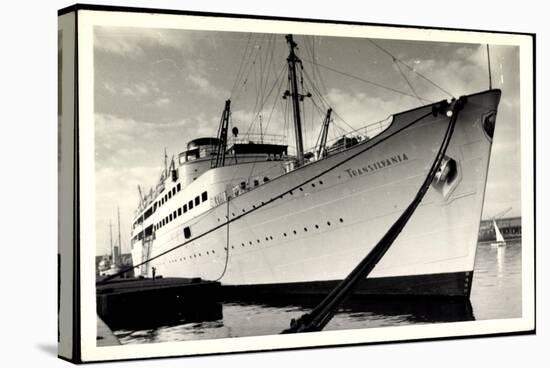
(318,318)
(226,247)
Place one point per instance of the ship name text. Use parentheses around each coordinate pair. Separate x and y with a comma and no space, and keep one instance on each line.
(377,165)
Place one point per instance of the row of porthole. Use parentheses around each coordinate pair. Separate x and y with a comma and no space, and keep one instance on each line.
(250,242)
(341,220)
(290,192)
(208,252)
(267,238)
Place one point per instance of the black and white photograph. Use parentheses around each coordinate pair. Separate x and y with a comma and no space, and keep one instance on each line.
(297,183)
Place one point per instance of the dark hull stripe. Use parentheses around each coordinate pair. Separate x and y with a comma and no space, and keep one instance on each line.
(457,284)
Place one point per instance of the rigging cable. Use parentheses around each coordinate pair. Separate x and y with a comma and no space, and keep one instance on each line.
(250,68)
(326,103)
(241,65)
(226,247)
(407,80)
(410,68)
(366,80)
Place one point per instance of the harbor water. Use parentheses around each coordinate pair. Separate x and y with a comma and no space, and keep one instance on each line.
(496,293)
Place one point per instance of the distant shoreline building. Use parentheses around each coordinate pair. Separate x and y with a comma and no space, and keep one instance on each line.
(509,227)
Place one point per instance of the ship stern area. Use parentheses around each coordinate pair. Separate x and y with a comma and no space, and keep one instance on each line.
(435,253)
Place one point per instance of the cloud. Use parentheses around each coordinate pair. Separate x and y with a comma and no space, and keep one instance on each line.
(121,142)
(129,41)
(117,187)
(162,101)
(198,78)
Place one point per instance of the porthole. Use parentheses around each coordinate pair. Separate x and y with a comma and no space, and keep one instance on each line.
(305,229)
(232,247)
(341,220)
(250,242)
(242,245)
(328,223)
(207,253)
(243,210)
(258,240)
(266,238)
(291,193)
(313,185)
(253,206)
(187,232)
(301,189)
(294,231)
(213,251)
(284,234)
(270,237)
(321,182)
(316,226)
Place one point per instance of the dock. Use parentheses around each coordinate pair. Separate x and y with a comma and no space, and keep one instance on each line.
(146,302)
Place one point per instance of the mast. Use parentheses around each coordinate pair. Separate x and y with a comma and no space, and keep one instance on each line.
(296,98)
(261,133)
(489,68)
(165,163)
(222,135)
(111,240)
(321,151)
(119,242)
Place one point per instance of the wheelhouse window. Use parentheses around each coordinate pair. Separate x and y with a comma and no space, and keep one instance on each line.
(184,208)
(179,211)
(204,196)
(178,187)
(197,200)
(170,217)
(190,204)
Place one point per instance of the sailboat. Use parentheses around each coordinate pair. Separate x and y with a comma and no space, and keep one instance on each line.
(499,238)
(247,212)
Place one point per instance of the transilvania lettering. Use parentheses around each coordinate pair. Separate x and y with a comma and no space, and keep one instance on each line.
(377,165)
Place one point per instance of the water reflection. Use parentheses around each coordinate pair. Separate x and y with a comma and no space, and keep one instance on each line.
(496,293)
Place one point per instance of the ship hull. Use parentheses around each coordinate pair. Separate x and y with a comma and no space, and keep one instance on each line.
(304,231)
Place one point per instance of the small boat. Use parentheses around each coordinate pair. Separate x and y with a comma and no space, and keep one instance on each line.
(499,238)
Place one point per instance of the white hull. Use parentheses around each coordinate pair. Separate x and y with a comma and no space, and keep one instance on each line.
(320,231)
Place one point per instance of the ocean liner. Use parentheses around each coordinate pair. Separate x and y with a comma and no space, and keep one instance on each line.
(248,212)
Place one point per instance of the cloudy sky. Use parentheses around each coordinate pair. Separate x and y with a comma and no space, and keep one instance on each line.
(159,88)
